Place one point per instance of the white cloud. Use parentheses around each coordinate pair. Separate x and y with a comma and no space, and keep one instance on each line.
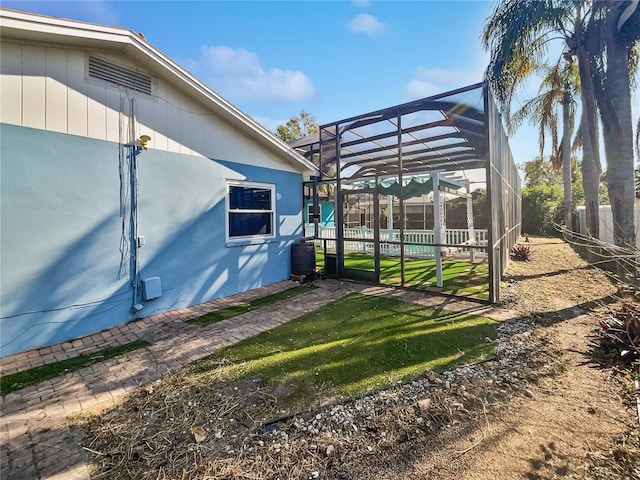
(430,81)
(238,76)
(367,24)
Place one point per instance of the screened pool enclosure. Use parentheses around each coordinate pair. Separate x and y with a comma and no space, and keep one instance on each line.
(423,195)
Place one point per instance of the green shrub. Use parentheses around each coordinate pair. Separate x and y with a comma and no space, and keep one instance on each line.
(541,208)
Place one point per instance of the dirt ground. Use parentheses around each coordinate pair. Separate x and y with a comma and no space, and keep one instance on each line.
(548,406)
(565,420)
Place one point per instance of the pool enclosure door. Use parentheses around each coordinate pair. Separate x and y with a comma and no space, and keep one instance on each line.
(358,251)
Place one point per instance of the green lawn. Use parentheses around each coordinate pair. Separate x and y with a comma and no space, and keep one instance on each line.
(353,345)
(15,381)
(459,277)
(241,308)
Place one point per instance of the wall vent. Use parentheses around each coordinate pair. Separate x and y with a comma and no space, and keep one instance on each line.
(124,77)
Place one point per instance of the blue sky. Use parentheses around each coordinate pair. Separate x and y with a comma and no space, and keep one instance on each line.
(333,59)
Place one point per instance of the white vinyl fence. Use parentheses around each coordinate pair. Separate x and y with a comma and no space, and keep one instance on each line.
(606,223)
(417,242)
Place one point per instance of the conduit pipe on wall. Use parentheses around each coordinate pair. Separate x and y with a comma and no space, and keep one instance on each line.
(134,147)
(134,150)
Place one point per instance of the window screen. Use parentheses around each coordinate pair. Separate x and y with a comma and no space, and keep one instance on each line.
(250,210)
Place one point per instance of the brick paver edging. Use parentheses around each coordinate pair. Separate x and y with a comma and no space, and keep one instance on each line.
(149,328)
(35,440)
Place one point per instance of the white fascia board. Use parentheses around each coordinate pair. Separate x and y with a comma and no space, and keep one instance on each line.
(41,28)
(31,26)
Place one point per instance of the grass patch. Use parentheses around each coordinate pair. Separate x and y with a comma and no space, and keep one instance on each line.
(241,308)
(356,344)
(458,277)
(16,381)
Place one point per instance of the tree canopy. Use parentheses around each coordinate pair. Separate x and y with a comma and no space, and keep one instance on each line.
(603,37)
(298,126)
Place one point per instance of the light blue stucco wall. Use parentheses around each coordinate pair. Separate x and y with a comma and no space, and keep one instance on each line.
(327,217)
(61,235)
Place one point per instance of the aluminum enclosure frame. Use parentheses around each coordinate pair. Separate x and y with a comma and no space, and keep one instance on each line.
(457,133)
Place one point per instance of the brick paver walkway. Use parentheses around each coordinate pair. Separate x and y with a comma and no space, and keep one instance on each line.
(35,440)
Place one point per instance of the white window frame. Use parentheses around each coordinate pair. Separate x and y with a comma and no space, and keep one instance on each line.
(258,238)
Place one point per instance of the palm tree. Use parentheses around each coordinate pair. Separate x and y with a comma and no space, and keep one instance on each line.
(612,37)
(589,134)
(603,36)
(517,35)
(560,84)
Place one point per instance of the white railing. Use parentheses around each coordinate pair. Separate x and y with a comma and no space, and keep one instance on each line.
(418,243)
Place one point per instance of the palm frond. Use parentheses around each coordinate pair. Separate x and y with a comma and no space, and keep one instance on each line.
(528,111)
(556,88)
(516,35)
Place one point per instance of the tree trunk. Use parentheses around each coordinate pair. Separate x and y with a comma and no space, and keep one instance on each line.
(590,146)
(566,158)
(614,101)
(613,92)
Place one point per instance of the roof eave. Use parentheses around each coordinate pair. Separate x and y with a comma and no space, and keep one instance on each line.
(40,28)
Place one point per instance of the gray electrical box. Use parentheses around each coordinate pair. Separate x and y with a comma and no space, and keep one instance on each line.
(151,288)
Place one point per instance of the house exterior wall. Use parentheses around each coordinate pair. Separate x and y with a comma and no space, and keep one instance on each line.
(64,246)
(49,88)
